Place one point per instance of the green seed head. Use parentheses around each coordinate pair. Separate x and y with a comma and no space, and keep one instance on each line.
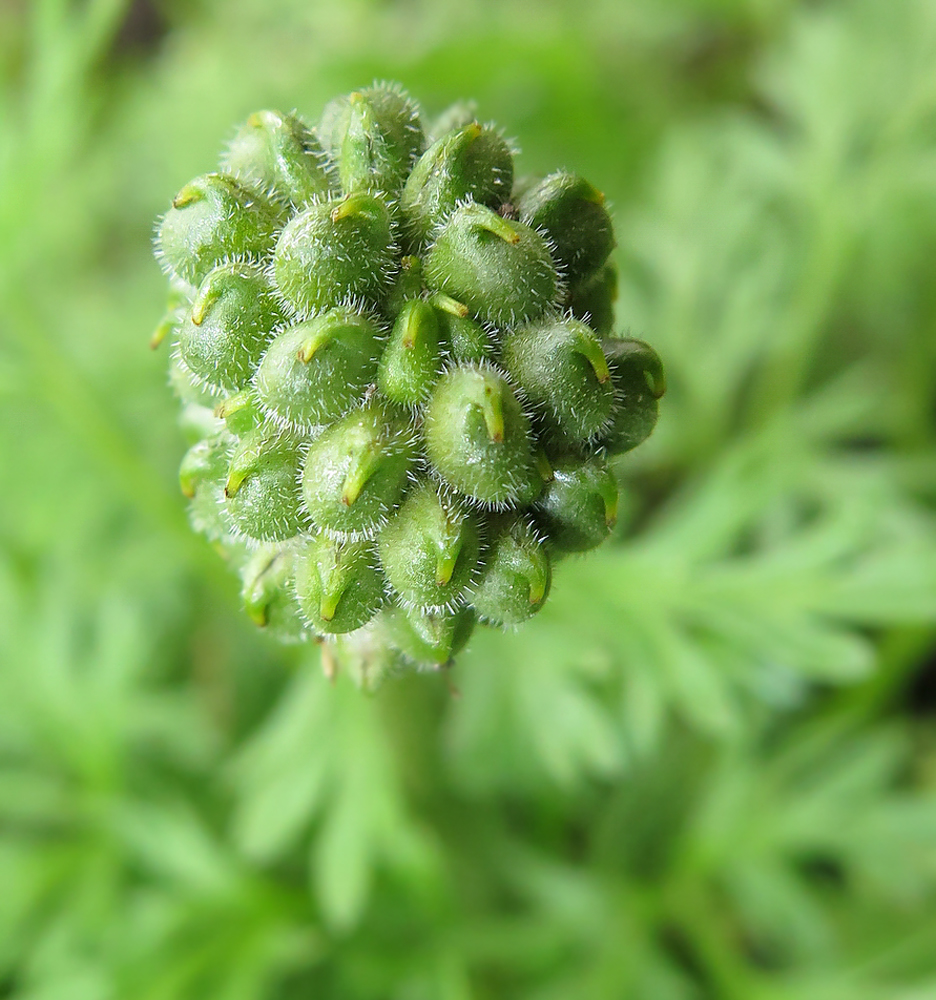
(559,365)
(454,117)
(639,383)
(500,269)
(431,638)
(592,300)
(478,438)
(573,214)
(516,577)
(389,355)
(578,507)
(241,413)
(260,491)
(374,136)
(268,592)
(408,284)
(430,550)
(190,390)
(215,218)
(412,360)
(281,155)
(464,339)
(338,584)
(355,472)
(315,371)
(178,302)
(523,184)
(472,163)
(201,479)
(198,422)
(335,252)
(228,326)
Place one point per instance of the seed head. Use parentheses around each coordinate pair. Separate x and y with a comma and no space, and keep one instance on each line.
(399,368)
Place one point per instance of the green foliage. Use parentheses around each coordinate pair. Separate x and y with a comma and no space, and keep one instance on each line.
(707,769)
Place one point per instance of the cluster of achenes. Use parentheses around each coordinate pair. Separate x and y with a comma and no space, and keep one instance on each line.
(396,360)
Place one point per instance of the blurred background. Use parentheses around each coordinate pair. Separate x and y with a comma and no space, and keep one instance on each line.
(707,771)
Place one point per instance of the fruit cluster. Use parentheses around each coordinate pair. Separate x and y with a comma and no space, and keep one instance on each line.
(397,363)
